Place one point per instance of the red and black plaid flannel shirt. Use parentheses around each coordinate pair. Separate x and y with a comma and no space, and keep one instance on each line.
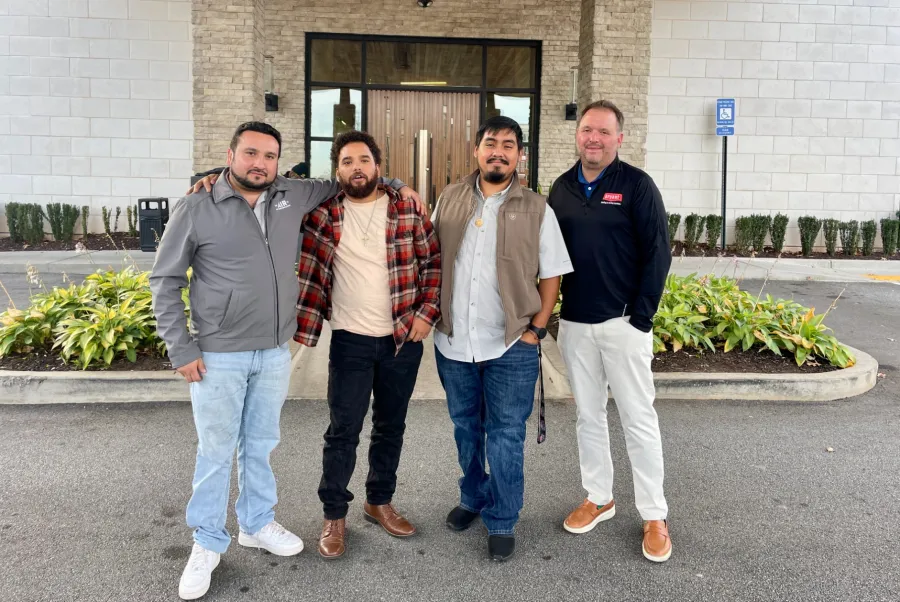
(413,260)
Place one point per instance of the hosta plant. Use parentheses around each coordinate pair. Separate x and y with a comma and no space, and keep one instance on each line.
(109,316)
(715,314)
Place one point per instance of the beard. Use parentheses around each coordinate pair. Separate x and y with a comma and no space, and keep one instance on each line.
(359,191)
(250,184)
(495,176)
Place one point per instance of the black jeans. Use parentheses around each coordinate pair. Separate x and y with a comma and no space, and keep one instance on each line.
(358,367)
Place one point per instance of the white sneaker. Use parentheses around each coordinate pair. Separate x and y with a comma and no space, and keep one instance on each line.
(196,576)
(274,538)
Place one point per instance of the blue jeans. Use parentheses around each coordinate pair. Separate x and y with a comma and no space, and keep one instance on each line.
(489,403)
(237,404)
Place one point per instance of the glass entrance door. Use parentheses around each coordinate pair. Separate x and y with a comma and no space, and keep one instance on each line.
(396,119)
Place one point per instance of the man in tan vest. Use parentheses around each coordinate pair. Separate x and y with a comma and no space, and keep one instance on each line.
(497,240)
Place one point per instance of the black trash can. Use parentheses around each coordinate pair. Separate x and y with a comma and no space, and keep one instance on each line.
(153,213)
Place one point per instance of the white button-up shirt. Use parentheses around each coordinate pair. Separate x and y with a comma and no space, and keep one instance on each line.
(479,322)
(259,210)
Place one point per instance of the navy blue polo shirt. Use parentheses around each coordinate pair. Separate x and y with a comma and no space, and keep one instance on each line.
(589,187)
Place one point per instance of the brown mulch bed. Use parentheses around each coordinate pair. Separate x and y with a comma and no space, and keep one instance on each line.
(94,242)
(702,250)
(51,362)
(764,362)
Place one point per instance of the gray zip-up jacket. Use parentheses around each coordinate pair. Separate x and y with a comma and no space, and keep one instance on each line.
(243,289)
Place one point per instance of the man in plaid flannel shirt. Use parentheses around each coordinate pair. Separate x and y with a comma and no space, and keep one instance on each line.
(370,265)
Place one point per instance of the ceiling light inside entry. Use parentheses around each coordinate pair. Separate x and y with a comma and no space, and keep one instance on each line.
(423,83)
(424,3)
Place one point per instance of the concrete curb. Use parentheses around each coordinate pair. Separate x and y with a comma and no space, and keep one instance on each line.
(99,387)
(131,387)
(786,268)
(72,262)
(823,386)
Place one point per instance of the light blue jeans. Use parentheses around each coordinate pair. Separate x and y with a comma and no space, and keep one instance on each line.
(237,404)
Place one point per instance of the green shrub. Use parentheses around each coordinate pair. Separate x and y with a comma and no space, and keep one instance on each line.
(743,234)
(809,231)
(132,221)
(105,213)
(713,230)
(693,230)
(14,222)
(831,227)
(31,222)
(779,230)
(759,228)
(62,220)
(674,220)
(850,237)
(869,229)
(714,313)
(116,223)
(890,229)
(54,216)
(85,213)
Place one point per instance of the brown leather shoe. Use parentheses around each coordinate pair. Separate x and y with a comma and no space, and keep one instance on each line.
(386,516)
(657,545)
(331,543)
(588,515)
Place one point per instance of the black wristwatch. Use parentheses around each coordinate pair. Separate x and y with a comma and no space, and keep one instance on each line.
(540,333)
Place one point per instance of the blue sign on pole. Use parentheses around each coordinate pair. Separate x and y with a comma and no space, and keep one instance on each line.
(725,111)
(725,117)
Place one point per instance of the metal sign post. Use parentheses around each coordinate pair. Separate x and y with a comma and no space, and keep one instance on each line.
(724,128)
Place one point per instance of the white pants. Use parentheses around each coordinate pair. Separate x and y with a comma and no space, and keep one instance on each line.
(616,354)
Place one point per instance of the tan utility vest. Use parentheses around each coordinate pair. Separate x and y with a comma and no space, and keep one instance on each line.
(518,250)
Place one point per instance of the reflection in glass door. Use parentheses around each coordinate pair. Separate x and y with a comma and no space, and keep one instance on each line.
(395,120)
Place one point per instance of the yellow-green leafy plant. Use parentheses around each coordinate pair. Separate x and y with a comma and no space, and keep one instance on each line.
(714,313)
(104,332)
(109,316)
(22,331)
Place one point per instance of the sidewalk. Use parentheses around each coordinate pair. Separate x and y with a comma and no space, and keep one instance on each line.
(824,270)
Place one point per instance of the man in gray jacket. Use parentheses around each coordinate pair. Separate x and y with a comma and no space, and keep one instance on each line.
(240,238)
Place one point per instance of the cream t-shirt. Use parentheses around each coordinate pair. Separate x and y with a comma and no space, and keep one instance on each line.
(361,294)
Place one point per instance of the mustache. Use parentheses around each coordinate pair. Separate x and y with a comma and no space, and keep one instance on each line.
(498,160)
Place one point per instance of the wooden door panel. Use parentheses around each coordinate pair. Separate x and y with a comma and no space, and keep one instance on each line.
(395,118)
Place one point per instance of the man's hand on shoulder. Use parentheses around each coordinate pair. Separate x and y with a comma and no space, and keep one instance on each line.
(207,183)
(408,194)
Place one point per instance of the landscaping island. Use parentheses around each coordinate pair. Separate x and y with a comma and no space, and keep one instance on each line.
(704,324)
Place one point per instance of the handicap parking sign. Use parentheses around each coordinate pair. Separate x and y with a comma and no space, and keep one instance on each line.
(725,112)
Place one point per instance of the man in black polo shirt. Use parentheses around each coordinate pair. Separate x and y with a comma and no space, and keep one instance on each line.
(614,223)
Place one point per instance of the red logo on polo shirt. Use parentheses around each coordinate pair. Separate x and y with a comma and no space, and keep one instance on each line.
(612,197)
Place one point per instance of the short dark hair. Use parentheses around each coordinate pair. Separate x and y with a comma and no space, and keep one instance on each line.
(255,126)
(499,124)
(342,140)
(605,105)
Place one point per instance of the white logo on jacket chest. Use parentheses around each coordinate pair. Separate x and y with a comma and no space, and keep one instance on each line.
(282,204)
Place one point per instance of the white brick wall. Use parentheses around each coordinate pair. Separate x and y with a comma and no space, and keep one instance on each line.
(95,101)
(817,88)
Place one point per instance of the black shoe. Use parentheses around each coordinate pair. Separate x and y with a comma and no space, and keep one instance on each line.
(501,547)
(461,519)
